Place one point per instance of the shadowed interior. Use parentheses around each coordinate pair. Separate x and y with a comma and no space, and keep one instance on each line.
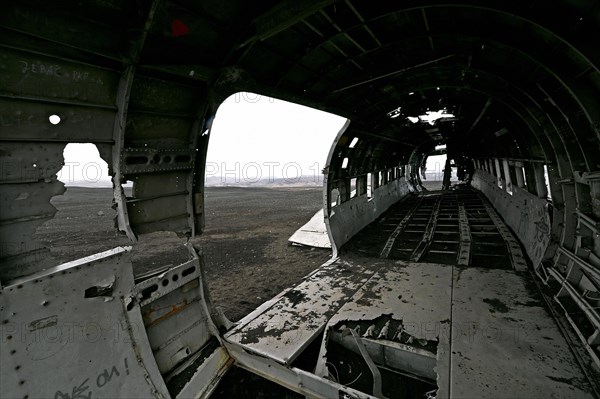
(519,83)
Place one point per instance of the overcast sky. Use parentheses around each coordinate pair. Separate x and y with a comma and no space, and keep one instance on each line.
(280,138)
(252,137)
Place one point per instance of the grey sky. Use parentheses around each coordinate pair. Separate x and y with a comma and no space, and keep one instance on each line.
(252,131)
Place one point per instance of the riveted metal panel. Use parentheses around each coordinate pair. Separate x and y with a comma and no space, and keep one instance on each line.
(86,25)
(25,120)
(157,130)
(73,335)
(38,76)
(30,162)
(157,209)
(173,321)
(15,236)
(154,94)
(28,200)
(160,184)
(139,160)
(23,258)
(27,183)
(160,202)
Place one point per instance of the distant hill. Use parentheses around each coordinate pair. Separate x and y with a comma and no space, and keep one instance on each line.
(229,181)
(89,184)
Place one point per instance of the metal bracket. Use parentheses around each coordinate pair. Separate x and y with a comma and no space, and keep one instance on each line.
(374,370)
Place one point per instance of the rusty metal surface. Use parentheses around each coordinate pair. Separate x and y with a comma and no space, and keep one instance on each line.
(418,298)
(173,314)
(283,330)
(417,294)
(487,334)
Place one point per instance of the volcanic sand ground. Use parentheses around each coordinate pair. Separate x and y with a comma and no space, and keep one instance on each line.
(247,256)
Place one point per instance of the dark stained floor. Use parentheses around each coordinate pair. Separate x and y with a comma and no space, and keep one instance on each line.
(445,266)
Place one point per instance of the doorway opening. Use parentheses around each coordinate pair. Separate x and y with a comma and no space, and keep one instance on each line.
(433,175)
(263,182)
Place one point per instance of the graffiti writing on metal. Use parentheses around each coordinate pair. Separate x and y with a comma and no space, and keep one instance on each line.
(38,68)
(85,389)
(542,232)
(534,228)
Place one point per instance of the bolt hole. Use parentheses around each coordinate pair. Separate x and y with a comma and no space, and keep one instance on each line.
(54,119)
(188,271)
(165,282)
(175,277)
